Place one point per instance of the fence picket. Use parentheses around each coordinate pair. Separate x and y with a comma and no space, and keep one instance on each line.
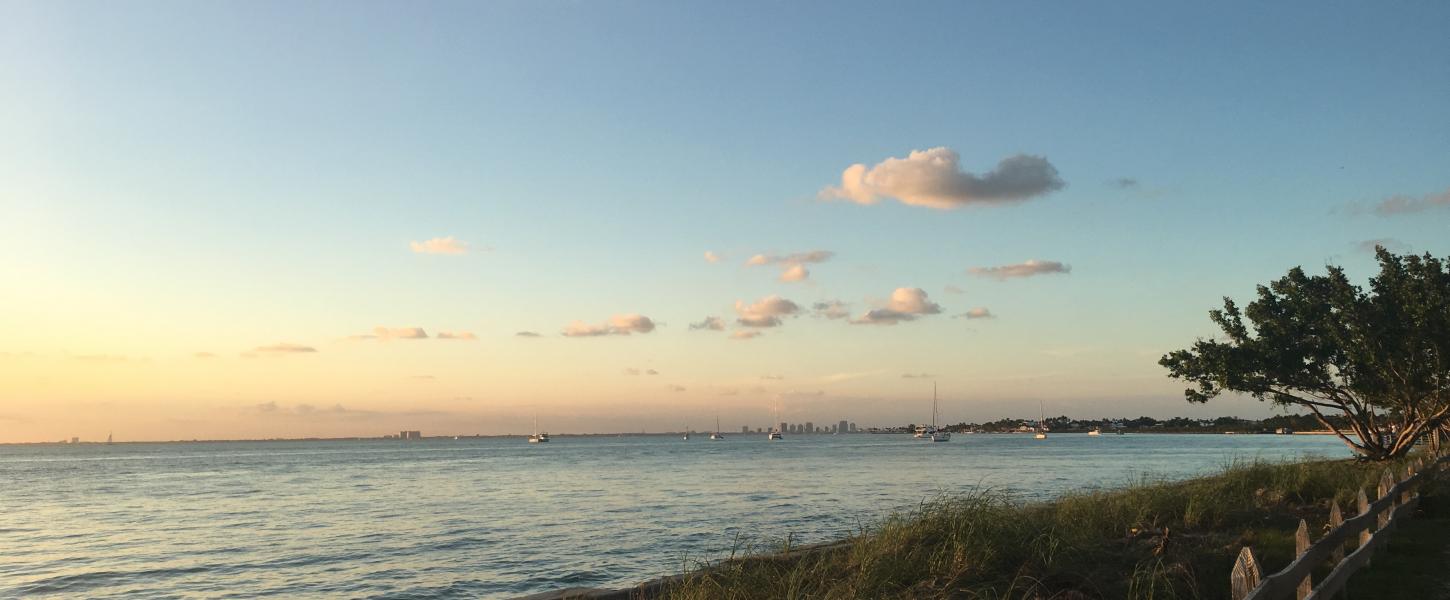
(1301,546)
(1245,576)
(1336,519)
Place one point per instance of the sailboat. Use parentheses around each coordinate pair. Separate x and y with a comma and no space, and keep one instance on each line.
(717,435)
(930,432)
(687,433)
(937,435)
(775,433)
(539,437)
(108,438)
(1041,422)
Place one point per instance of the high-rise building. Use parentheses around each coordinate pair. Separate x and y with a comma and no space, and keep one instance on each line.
(853,428)
(744,429)
(410,435)
(842,427)
(810,427)
(784,428)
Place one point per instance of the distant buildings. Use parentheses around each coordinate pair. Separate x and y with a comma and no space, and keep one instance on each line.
(410,435)
(744,429)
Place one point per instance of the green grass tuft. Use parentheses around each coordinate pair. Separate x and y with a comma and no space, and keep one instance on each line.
(1151,540)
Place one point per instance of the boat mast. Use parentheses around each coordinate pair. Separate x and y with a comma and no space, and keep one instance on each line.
(933,405)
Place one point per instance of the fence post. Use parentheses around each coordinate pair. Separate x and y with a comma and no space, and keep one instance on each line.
(1336,519)
(1407,494)
(1245,576)
(1387,481)
(1301,545)
(1364,534)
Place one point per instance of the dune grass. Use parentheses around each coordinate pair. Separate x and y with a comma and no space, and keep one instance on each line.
(1149,540)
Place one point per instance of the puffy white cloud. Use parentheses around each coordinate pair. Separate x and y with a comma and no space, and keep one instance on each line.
(979,312)
(443,245)
(1397,205)
(765,312)
(618,325)
(795,273)
(1023,269)
(831,309)
(710,324)
(793,266)
(933,178)
(711,257)
(745,335)
(456,335)
(906,304)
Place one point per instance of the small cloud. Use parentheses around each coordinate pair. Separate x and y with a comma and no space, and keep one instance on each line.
(709,323)
(793,266)
(675,388)
(933,178)
(772,377)
(951,289)
(443,245)
(651,372)
(282,349)
(795,273)
(203,355)
(618,325)
(1124,183)
(745,335)
(712,258)
(979,312)
(527,334)
(267,407)
(422,377)
(831,309)
(917,375)
(1401,205)
(765,312)
(384,334)
(631,371)
(1023,269)
(456,335)
(1391,244)
(906,304)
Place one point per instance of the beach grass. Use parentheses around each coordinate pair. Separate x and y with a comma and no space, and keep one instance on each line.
(1151,539)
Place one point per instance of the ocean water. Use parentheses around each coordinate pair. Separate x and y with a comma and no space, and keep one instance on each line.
(498,518)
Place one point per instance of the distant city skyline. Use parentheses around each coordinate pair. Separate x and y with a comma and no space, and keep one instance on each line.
(222,221)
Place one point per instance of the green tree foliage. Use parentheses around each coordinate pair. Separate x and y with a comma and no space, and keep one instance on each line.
(1379,358)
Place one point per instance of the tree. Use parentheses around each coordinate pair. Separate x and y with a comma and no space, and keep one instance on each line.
(1380,358)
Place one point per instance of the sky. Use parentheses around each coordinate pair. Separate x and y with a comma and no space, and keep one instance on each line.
(239,219)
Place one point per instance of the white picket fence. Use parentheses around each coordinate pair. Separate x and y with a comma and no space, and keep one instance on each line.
(1372,526)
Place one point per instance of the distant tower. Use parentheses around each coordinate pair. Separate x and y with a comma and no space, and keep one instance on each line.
(810,427)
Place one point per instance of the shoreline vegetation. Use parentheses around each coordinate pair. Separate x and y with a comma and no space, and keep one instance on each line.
(1151,539)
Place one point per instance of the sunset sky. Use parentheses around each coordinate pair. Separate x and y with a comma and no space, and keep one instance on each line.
(278,219)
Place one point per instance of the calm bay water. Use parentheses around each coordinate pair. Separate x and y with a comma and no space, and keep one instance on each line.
(500,517)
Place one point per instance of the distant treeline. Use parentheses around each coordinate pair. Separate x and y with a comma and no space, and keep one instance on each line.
(1064,424)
